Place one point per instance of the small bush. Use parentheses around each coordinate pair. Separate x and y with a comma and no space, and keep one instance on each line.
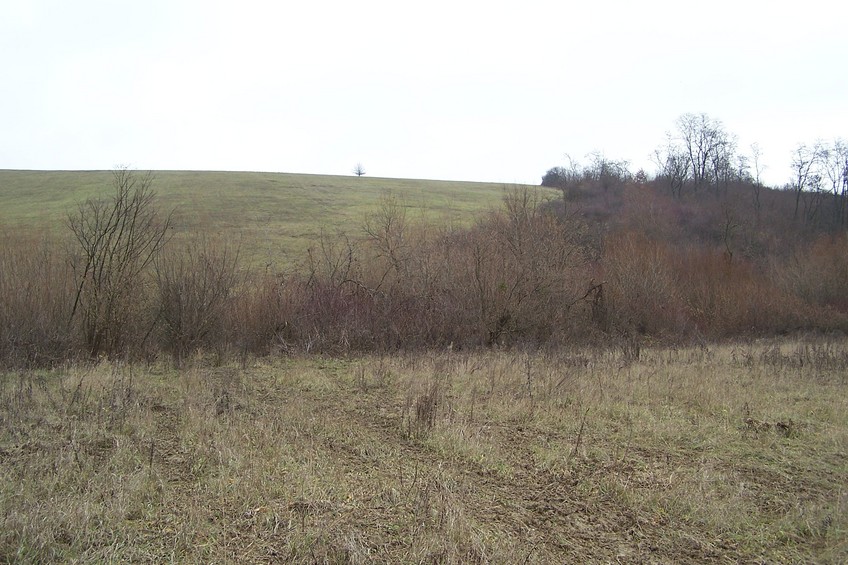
(194,285)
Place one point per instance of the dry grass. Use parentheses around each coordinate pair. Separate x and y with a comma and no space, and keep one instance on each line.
(731,453)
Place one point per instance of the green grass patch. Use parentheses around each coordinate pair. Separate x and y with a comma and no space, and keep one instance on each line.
(275,216)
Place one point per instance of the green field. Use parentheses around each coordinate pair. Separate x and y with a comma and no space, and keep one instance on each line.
(274,215)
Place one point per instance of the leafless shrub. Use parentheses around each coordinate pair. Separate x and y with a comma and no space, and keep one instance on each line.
(195,285)
(727,297)
(386,229)
(817,274)
(117,240)
(642,294)
(518,276)
(261,316)
(656,289)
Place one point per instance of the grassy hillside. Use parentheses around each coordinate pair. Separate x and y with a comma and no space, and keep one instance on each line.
(275,214)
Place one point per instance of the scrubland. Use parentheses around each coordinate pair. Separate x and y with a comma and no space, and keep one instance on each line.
(621,374)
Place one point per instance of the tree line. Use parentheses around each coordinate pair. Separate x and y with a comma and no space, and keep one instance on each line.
(701,157)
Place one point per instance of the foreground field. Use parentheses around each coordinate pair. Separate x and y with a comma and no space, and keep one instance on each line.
(732,453)
(274,215)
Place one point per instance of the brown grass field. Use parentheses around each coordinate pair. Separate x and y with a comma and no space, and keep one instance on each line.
(731,453)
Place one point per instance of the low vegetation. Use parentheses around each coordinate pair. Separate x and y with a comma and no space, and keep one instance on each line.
(735,453)
(122,286)
(611,367)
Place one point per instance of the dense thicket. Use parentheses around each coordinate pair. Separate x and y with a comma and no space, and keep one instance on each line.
(522,274)
(597,255)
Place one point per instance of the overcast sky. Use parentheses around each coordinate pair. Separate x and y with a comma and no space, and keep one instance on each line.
(464,90)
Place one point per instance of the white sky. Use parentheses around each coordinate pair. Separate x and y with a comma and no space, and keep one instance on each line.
(465,90)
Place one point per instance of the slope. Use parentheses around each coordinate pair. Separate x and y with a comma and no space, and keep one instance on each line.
(272,214)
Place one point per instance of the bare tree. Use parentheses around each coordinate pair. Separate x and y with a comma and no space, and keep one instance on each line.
(386,228)
(601,174)
(607,173)
(117,239)
(708,147)
(701,154)
(566,179)
(757,162)
(673,167)
(834,163)
(805,166)
(359,170)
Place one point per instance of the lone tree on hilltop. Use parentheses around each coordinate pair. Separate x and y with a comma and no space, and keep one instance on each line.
(359,170)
